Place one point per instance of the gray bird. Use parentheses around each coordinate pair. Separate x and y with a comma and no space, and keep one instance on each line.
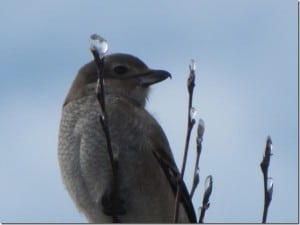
(147,173)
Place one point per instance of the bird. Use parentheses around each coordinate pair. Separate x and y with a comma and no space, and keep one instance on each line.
(147,172)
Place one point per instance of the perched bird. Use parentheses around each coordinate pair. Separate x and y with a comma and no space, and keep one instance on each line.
(147,173)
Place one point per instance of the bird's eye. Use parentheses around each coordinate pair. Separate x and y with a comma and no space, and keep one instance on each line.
(120,69)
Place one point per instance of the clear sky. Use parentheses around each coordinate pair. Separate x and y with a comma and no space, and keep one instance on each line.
(246,89)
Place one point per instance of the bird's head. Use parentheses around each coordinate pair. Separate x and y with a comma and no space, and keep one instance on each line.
(124,75)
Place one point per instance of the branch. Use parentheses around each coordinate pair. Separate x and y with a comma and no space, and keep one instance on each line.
(268,182)
(191,122)
(196,180)
(98,48)
(205,201)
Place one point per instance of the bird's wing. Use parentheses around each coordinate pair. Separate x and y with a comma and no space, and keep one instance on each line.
(164,156)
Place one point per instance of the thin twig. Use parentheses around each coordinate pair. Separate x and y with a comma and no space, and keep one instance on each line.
(205,201)
(101,99)
(99,61)
(268,189)
(191,122)
(196,180)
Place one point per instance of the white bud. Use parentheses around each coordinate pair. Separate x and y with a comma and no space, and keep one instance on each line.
(192,65)
(99,44)
(270,184)
(269,143)
(193,113)
(201,128)
(208,183)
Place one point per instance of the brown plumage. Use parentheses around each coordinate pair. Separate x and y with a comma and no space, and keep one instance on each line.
(147,170)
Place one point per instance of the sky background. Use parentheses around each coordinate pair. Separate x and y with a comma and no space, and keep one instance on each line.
(246,89)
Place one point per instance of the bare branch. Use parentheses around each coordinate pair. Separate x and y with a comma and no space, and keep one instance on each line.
(268,181)
(191,122)
(98,48)
(200,132)
(207,193)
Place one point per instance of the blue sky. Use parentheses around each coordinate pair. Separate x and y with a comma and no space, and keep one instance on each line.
(246,89)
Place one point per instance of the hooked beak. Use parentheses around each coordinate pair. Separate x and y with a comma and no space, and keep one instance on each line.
(153,76)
